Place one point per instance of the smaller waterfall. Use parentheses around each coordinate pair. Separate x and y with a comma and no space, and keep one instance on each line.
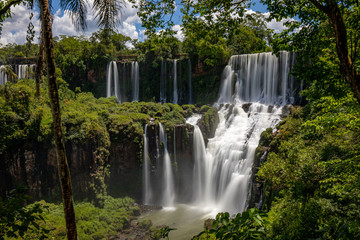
(3,75)
(112,81)
(168,178)
(135,80)
(163,82)
(25,71)
(146,170)
(199,177)
(190,82)
(175,92)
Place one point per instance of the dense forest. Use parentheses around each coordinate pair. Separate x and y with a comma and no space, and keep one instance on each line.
(57,125)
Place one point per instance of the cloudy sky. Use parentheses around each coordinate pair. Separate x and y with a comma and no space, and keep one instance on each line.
(14,29)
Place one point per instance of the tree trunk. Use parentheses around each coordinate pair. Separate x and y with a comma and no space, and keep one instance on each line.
(40,65)
(63,167)
(332,10)
(346,65)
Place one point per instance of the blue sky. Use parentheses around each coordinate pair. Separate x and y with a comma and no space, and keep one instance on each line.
(14,29)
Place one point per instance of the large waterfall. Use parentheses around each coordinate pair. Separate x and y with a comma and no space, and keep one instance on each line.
(259,78)
(254,91)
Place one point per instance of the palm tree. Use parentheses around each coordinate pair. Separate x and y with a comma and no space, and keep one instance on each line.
(107,12)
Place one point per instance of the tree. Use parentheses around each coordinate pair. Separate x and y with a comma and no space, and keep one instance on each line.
(213,29)
(106,13)
(342,17)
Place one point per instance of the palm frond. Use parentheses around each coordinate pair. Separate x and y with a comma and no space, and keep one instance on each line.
(77,9)
(107,12)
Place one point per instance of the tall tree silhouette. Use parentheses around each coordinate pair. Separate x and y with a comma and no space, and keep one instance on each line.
(107,13)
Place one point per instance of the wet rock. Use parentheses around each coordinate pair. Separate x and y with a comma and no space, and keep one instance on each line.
(246,107)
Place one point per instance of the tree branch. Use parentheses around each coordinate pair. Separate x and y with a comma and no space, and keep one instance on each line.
(319,6)
(8,6)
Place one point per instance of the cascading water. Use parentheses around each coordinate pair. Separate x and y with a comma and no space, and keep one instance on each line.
(146,169)
(175,90)
(168,178)
(25,71)
(259,78)
(163,82)
(112,81)
(3,75)
(135,80)
(254,92)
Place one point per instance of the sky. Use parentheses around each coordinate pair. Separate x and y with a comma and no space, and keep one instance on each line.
(14,29)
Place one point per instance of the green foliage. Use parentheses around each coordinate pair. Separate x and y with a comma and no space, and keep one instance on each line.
(89,123)
(16,220)
(312,37)
(92,222)
(162,233)
(83,60)
(210,119)
(158,47)
(247,225)
(312,172)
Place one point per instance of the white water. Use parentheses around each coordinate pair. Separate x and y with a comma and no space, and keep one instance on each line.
(200,156)
(25,71)
(194,119)
(146,169)
(112,81)
(254,91)
(258,78)
(163,82)
(3,75)
(135,80)
(175,90)
(168,178)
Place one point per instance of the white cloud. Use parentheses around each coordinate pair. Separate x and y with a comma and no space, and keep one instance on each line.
(14,29)
(179,33)
(278,26)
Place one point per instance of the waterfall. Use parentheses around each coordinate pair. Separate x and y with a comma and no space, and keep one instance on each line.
(163,82)
(3,75)
(190,82)
(25,71)
(199,178)
(168,178)
(21,71)
(135,80)
(257,86)
(146,169)
(175,92)
(260,77)
(112,81)
(254,91)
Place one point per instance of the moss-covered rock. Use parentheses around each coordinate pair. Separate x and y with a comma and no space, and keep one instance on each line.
(208,122)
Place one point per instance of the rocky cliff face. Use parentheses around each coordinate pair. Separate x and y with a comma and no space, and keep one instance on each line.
(36,167)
